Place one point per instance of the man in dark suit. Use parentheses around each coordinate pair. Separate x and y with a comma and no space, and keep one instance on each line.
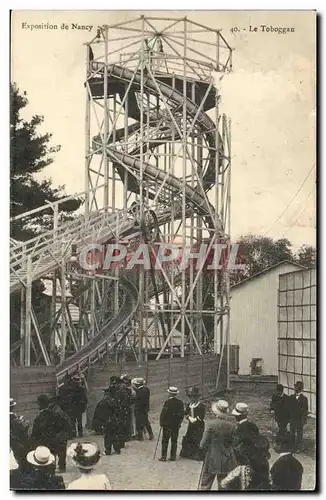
(73,401)
(216,443)
(245,434)
(51,429)
(170,420)
(298,409)
(279,407)
(142,409)
(286,472)
(110,417)
(59,448)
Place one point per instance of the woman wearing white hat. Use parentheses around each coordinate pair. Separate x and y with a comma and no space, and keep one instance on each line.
(86,456)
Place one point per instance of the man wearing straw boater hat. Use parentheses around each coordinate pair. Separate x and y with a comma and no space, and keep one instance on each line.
(170,420)
(245,434)
(42,476)
(217,444)
(142,397)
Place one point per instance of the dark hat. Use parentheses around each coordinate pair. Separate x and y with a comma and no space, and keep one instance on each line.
(115,380)
(43,400)
(285,441)
(194,391)
(54,399)
(279,387)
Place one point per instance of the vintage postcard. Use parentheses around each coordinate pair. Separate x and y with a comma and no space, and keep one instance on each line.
(163,250)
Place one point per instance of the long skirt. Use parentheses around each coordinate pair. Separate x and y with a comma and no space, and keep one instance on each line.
(191,441)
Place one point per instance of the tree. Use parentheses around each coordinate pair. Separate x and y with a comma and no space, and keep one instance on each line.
(259,253)
(30,153)
(306,256)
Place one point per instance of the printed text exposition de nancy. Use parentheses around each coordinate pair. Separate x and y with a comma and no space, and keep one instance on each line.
(62,26)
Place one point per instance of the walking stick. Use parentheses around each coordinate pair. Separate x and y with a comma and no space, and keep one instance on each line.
(201,474)
(273,430)
(158,439)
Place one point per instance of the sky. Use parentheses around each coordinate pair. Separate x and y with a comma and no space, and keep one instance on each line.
(269,96)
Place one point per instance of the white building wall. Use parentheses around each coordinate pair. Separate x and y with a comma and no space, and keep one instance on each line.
(254,319)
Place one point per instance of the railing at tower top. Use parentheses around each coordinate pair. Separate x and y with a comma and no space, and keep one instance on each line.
(165,38)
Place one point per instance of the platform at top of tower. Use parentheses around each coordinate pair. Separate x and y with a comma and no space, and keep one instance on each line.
(177,46)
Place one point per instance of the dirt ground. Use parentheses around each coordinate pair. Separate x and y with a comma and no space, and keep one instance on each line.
(135,468)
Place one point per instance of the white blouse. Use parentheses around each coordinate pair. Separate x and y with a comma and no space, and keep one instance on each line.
(90,482)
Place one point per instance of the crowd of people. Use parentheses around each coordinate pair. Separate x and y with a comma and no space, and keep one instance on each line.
(231,447)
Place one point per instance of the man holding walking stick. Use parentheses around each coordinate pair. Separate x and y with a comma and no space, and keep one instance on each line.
(171,418)
(217,444)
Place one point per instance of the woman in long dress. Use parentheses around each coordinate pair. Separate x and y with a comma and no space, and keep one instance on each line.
(195,414)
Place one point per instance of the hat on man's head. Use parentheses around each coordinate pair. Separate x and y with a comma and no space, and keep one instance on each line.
(220,407)
(85,455)
(41,457)
(115,379)
(12,402)
(43,400)
(173,390)
(138,382)
(125,378)
(285,441)
(240,409)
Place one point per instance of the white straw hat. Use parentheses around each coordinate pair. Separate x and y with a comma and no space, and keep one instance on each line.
(240,409)
(173,390)
(220,407)
(41,457)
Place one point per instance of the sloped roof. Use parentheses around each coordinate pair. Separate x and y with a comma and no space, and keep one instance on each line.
(266,270)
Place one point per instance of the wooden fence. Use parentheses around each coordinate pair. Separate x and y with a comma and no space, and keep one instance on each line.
(159,375)
(27,383)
